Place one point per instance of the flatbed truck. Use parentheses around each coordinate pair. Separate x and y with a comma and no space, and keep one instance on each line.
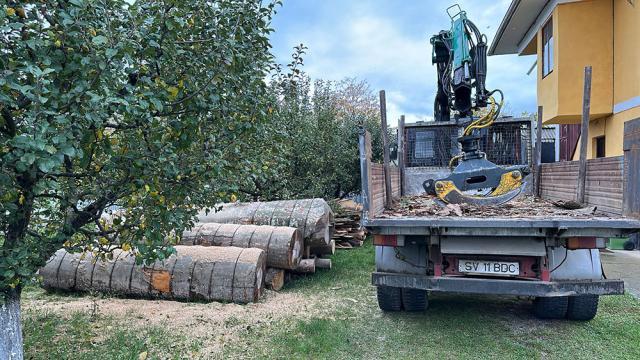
(554,260)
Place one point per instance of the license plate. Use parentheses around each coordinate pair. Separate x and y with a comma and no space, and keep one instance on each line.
(488,267)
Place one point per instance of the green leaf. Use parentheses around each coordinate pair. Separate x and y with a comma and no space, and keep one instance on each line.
(111,52)
(99,40)
(28,158)
(68,150)
(46,165)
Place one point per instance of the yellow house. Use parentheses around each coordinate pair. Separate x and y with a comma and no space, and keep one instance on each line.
(566,36)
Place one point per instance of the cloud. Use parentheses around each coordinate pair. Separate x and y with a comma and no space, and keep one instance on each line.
(387,43)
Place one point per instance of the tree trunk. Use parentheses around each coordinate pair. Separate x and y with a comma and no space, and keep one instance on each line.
(323,263)
(193,273)
(313,217)
(306,266)
(283,245)
(324,249)
(274,279)
(10,330)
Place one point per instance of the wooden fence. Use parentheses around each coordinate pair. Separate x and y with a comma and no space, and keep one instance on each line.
(604,182)
(377,189)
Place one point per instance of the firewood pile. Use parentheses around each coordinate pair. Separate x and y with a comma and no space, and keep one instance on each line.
(348,231)
(229,255)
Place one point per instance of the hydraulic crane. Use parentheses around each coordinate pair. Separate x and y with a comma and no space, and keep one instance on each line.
(460,55)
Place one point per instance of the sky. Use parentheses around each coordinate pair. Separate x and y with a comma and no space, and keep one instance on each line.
(386,43)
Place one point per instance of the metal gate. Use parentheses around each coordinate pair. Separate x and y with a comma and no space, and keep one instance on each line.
(631,147)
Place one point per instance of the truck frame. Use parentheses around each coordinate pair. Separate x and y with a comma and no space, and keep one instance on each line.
(558,260)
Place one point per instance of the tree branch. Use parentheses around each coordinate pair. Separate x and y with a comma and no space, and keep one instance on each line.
(9,123)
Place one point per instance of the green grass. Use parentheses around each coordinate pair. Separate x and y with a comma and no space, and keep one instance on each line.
(81,335)
(352,327)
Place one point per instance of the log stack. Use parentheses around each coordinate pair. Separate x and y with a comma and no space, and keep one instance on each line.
(229,255)
(194,273)
(313,217)
(348,231)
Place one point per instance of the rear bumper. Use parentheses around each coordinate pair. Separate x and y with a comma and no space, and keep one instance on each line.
(499,286)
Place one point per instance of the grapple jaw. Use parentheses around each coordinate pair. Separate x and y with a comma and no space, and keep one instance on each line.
(478,181)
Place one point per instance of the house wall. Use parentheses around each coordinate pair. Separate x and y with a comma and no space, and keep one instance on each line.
(583,35)
(604,34)
(626,79)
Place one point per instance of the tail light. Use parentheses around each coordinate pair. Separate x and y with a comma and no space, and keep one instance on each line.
(385,240)
(585,243)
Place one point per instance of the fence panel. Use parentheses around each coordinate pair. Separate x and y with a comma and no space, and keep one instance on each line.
(604,182)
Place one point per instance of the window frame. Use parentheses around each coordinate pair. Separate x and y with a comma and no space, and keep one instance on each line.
(547,48)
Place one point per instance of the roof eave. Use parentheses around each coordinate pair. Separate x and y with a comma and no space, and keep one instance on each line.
(503,25)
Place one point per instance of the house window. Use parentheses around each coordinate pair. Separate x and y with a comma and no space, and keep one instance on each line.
(599,146)
(547,48)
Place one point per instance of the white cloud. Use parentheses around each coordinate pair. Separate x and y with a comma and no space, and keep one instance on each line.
(387,43)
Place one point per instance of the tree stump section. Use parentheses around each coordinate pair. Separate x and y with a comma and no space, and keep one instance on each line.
(306,266)
(194,273)
(282,245)
(274,279)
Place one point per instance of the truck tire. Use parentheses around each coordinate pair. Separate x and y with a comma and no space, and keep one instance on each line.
(583,307)
(629,245)
(414,299)
(389,298)
(550,307)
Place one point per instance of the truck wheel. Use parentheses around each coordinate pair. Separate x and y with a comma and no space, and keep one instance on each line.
(629,245)
(550,307)
(389,298)
(583,307)
(414,299)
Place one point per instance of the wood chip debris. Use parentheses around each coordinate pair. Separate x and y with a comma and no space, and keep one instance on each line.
(425,205)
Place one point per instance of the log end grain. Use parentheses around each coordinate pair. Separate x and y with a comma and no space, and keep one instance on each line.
(274,279)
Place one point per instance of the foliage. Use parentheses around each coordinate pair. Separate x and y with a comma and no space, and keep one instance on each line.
(146,107)
(313,148)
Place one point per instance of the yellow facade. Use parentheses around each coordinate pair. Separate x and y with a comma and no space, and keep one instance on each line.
(606,35)
(583,35)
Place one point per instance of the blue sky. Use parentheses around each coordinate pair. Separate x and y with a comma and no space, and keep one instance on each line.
(386,42)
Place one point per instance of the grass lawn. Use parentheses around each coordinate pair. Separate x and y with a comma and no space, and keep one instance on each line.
(340,320)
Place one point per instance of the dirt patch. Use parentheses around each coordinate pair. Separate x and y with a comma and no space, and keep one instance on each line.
(213,324)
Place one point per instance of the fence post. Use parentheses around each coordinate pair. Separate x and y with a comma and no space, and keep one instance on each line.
(537,155)
(388,195)
(365,173)
(401,152)
(584,135)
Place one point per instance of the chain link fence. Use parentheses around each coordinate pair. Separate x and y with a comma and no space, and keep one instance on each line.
(433,144)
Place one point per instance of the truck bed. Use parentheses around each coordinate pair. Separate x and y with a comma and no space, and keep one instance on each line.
(421,214)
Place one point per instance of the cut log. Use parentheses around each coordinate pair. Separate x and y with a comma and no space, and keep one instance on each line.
(194,273)
(283,245)
(323,263)
(306,266)
(313,217)
(324,250)
(274,279)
